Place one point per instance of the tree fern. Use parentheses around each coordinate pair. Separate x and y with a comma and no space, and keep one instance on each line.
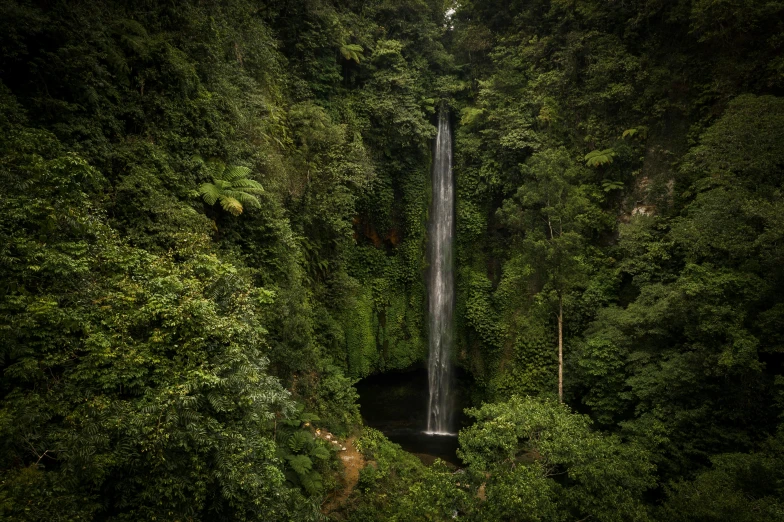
(319,452)
(301,464)
(235,172)
(598,158)
(641,132)
(299,441)
(312,482)
(352,52)
(230,187)
(612,185)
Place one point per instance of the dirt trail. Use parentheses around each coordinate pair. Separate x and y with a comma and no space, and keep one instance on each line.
(353,461)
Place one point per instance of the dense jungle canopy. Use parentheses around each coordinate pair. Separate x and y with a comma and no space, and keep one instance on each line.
(213,218)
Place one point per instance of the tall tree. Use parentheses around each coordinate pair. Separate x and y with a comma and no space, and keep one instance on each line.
(554,213)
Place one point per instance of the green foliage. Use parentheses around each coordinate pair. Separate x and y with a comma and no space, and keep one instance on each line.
(306,456)
(738,486)
(641,132)
(153,368)
(124,382)
(608,186)
(664,252)
(360,339)
(597,158)
(395,486)
(301,464)
(164,348)
(352,52)
(298,441)
(539,461)
(231,188)
(367,478)
(335,400)
(745,141)
(478,313)
(469,115)
(705,282)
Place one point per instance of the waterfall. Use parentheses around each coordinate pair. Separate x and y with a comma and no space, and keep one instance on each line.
(441,288)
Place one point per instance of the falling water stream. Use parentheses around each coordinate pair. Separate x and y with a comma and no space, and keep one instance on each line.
(441,291)
(395,402)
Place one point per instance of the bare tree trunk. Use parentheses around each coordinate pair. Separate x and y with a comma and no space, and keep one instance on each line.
(560,348)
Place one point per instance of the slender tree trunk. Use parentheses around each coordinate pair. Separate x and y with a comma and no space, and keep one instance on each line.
(560,348)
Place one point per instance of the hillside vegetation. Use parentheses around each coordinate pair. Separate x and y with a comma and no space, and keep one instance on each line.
(213,222)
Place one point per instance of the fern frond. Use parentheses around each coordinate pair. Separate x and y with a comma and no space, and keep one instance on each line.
(319,452)
(209,192)
(128,26)
(310,417)
(231,187)
(612,185)
(231,205)
(641,132)
(235,172)
(312,483)
(243,198)
(597,158)
(301,464)
(222,185)
(352,52)
(247,185)
(298,441)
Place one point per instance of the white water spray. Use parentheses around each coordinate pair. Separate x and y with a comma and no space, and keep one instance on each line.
(441,288)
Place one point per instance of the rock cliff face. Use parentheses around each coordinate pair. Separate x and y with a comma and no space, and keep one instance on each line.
(654,184)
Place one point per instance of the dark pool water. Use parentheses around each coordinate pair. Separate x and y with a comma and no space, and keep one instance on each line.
(396,404)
